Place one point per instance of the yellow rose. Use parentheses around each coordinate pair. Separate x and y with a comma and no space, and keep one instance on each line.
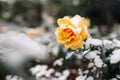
(71,31)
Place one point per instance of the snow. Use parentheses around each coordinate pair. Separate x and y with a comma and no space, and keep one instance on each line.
(91,64)
(11,77)
(75,30)
(79,56)
(105,42)
(118,76)
(85,52)
(69,55)
(76,2)
(86,72)
(66,73)
(80,72)
(91,55)
(58,74)
(81,77)
(75,20)
(62,78)
(95,42)
(115,57)
(116,43)
(94,55)
(16,47)
(41,70)
(49,72)
(38,68)
(98,62)
(58,62)
(114,79)
(94,69)
(55,50)
(108,44)
(90,78)
(113,35)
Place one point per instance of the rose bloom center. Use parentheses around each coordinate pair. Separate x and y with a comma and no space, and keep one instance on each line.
(68,33)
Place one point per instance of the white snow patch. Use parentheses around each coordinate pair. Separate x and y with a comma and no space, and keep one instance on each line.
(91,55)
(90,78)
(91,64)
(11,77)
(49,72)
(105,42)
(75,20)
(94,69)
(58,74)
(118,76)
(66,73)
(69,55)
(17,47)
(58,62)
(86,71)
(108,44)
(116,43)
(115,57)
(80,72)
(41,70)
(95,42)
(114,79)
(98,62)
(79,56)
(81,77)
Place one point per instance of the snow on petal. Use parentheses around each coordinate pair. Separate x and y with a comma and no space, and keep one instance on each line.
(75,30)
(75,20)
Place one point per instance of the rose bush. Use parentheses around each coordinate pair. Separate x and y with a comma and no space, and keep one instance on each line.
(71,31)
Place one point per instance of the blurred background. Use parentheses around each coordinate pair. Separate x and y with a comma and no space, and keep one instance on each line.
(34,13)
(37,19)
